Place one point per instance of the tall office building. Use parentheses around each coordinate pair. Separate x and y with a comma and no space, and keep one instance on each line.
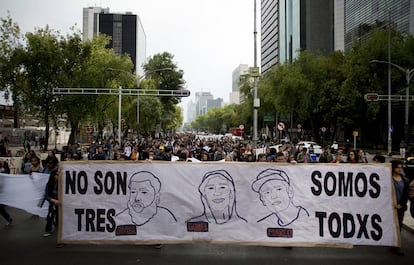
(126,31)
(191,111)
(269,34)
(235,95)
(214,103)
(289,26)
(201,102)
(357,19)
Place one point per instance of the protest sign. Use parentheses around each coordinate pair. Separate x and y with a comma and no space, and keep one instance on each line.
(24,192)
(235,203)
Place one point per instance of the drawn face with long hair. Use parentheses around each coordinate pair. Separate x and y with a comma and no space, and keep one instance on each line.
(276,195)
(218,193)
(142,195)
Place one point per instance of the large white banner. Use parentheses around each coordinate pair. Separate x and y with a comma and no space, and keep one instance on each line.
(24,192)
(235,203)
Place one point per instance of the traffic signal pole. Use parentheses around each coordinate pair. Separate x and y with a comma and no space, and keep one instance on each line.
(119,92)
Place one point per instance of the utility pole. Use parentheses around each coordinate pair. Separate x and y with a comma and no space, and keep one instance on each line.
(389,86)
(119,92)
(138,83)
(256,101)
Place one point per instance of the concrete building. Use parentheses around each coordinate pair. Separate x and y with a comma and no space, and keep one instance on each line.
(214,103)
(238,73)
(90,27)
(126,30)
(191,111)
(289,26)
(201,102)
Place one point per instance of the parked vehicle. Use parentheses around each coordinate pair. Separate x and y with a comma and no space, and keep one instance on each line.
(317,149)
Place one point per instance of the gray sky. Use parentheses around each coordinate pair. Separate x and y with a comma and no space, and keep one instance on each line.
(208,38)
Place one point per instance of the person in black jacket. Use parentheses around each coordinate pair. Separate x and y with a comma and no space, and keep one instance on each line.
(401,193)
(51,195)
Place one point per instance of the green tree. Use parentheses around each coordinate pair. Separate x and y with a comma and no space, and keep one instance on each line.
(163,74)
(219,120)
(103,109)
(40,64)
(365,77)
(10,39)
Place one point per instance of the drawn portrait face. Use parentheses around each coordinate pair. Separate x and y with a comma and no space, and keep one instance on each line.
(141,195)
(218,193)
(276,195)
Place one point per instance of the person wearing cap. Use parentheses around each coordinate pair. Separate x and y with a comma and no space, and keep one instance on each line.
(218,196)
(276,194)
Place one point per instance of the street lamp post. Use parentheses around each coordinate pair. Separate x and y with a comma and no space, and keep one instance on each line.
(119,114)
(409,73)
(256,101)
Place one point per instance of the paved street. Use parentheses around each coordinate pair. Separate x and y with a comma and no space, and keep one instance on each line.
(24,244)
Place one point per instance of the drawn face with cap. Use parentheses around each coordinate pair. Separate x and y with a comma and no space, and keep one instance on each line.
(276,195)
(218,193)
(141,195)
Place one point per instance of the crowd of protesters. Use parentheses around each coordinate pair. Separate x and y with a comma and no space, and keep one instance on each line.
(203,148)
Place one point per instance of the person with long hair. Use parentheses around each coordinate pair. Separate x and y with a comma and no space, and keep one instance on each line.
(218,196)
(352,157)
(401,195)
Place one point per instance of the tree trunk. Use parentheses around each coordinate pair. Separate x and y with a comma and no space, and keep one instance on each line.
(73,133)
(47,130)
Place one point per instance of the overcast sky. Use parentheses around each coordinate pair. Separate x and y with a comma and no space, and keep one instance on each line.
(208,38)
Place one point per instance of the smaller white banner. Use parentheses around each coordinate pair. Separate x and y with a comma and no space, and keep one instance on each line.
(24,192)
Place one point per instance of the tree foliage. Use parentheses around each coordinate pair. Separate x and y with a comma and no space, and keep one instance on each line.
(219,120)
(162,73)
(328,91)
(48,60)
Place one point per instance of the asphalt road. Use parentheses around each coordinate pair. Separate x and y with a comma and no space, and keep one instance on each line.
(24,244)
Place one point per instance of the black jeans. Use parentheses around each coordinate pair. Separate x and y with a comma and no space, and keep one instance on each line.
(4,213)
(400,213)
(52,217)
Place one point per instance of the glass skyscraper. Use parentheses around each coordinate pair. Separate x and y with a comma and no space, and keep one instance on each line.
(290,26)
(269,34)
(362,17)
(126,31)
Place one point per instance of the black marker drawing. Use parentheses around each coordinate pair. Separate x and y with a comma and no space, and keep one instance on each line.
(276,194)
(144,201)
(218,195)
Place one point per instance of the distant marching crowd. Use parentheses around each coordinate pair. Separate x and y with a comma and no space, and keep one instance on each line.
(193,148)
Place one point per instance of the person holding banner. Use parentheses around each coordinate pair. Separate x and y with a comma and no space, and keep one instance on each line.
(411,197)
(6,215)
(51,195)
(401,193)
(276,193)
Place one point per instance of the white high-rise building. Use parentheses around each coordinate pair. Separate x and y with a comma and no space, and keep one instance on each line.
(201,102)
(91,21)
(191,111)
(235,96)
